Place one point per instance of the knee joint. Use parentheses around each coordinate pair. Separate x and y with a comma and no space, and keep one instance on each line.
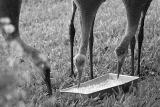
(79,61)
(6,25)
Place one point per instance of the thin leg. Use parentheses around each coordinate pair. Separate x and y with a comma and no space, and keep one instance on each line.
(11,9)
(72,35)
(140,40)
(91,40)
(81,56)
(87,14)
(141,34)
(133,9)
(132,46)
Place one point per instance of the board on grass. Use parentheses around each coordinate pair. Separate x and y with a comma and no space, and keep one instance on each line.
(104,82)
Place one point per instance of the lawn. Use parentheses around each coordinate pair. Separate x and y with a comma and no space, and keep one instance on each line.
(44,25)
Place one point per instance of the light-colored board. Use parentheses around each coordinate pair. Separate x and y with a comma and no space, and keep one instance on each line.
(100,83)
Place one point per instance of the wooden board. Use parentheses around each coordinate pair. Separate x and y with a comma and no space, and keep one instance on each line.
(100,83)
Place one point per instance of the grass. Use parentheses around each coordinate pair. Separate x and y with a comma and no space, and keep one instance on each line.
(44,25)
